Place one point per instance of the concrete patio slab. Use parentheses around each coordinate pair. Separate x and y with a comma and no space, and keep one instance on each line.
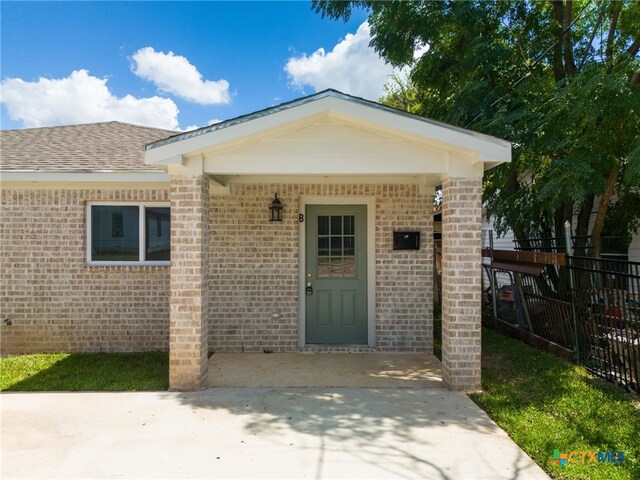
(375,370)
(257,433)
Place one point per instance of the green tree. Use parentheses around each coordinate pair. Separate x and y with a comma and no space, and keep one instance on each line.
(560,79)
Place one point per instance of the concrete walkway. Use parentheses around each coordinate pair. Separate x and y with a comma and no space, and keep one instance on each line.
(375,370)
(317,433)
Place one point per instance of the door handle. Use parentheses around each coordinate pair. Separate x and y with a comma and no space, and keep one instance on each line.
(309,289)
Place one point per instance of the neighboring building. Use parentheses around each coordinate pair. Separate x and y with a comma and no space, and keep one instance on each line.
(90,261)
(610,247)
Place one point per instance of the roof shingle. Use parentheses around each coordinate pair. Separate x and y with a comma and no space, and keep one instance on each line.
(89,147)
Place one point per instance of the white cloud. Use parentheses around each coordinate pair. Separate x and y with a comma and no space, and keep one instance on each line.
(174,74)
(352,67)
(81,98)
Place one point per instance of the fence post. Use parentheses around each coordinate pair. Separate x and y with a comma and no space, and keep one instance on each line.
(494,291)
(523,301)
(491,273)
(569,247)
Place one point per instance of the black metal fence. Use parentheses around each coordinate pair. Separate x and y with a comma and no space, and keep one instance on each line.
(592,312)
(610,246)
(606,294)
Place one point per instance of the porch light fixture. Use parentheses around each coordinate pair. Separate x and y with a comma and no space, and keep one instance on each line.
(275,210)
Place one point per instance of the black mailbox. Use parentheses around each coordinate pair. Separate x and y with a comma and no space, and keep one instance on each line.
(406,240)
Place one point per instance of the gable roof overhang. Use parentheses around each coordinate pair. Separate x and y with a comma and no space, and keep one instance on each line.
(331,133)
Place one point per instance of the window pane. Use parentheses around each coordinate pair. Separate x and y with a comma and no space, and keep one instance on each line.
(117,224)
(158,233)
(336,246)
(115,233)
(336,225)
(323,225)
(349,222)
(324,267)
(323,246)
(349,266)
(336,267)
(349,246)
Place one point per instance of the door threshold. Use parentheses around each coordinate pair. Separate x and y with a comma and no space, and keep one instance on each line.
(337,348)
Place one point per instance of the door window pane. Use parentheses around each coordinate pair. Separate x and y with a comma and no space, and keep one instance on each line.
(323,225)
(349,266)
(336,246)
(158,233)
(324,267)
(349,222)
(336,267)
(323,246)
(336,225)
(349,246)
(115,233)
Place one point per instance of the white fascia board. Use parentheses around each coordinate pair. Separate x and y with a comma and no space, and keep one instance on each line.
(487,148)
(85,177)
(158,156)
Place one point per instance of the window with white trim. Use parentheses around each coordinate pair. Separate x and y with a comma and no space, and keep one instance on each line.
(128,233)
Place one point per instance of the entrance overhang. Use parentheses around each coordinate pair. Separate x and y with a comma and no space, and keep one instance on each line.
(335,139)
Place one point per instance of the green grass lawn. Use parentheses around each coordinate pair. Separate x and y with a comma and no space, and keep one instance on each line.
(545,403)
(75,372)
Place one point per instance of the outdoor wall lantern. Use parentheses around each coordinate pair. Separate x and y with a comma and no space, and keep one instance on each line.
(275,210)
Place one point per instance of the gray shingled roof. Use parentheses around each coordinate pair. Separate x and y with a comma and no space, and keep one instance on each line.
(89,147)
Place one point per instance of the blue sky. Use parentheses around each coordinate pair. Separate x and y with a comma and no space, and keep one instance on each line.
(174,64)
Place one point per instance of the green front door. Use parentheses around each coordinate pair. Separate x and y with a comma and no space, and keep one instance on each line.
(336,274)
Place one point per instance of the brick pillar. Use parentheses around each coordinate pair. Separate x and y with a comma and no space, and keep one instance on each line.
(188,305)
(461,283)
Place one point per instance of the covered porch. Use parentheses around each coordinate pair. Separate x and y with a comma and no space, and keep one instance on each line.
(242,283)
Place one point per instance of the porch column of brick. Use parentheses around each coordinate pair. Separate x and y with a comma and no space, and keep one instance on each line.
(461,282)
(188,305)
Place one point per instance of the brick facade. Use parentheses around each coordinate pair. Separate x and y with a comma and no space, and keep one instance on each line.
(461,283)
(254,268)
(58,303)
(55,301)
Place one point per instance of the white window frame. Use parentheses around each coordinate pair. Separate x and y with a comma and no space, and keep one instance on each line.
(141,236)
